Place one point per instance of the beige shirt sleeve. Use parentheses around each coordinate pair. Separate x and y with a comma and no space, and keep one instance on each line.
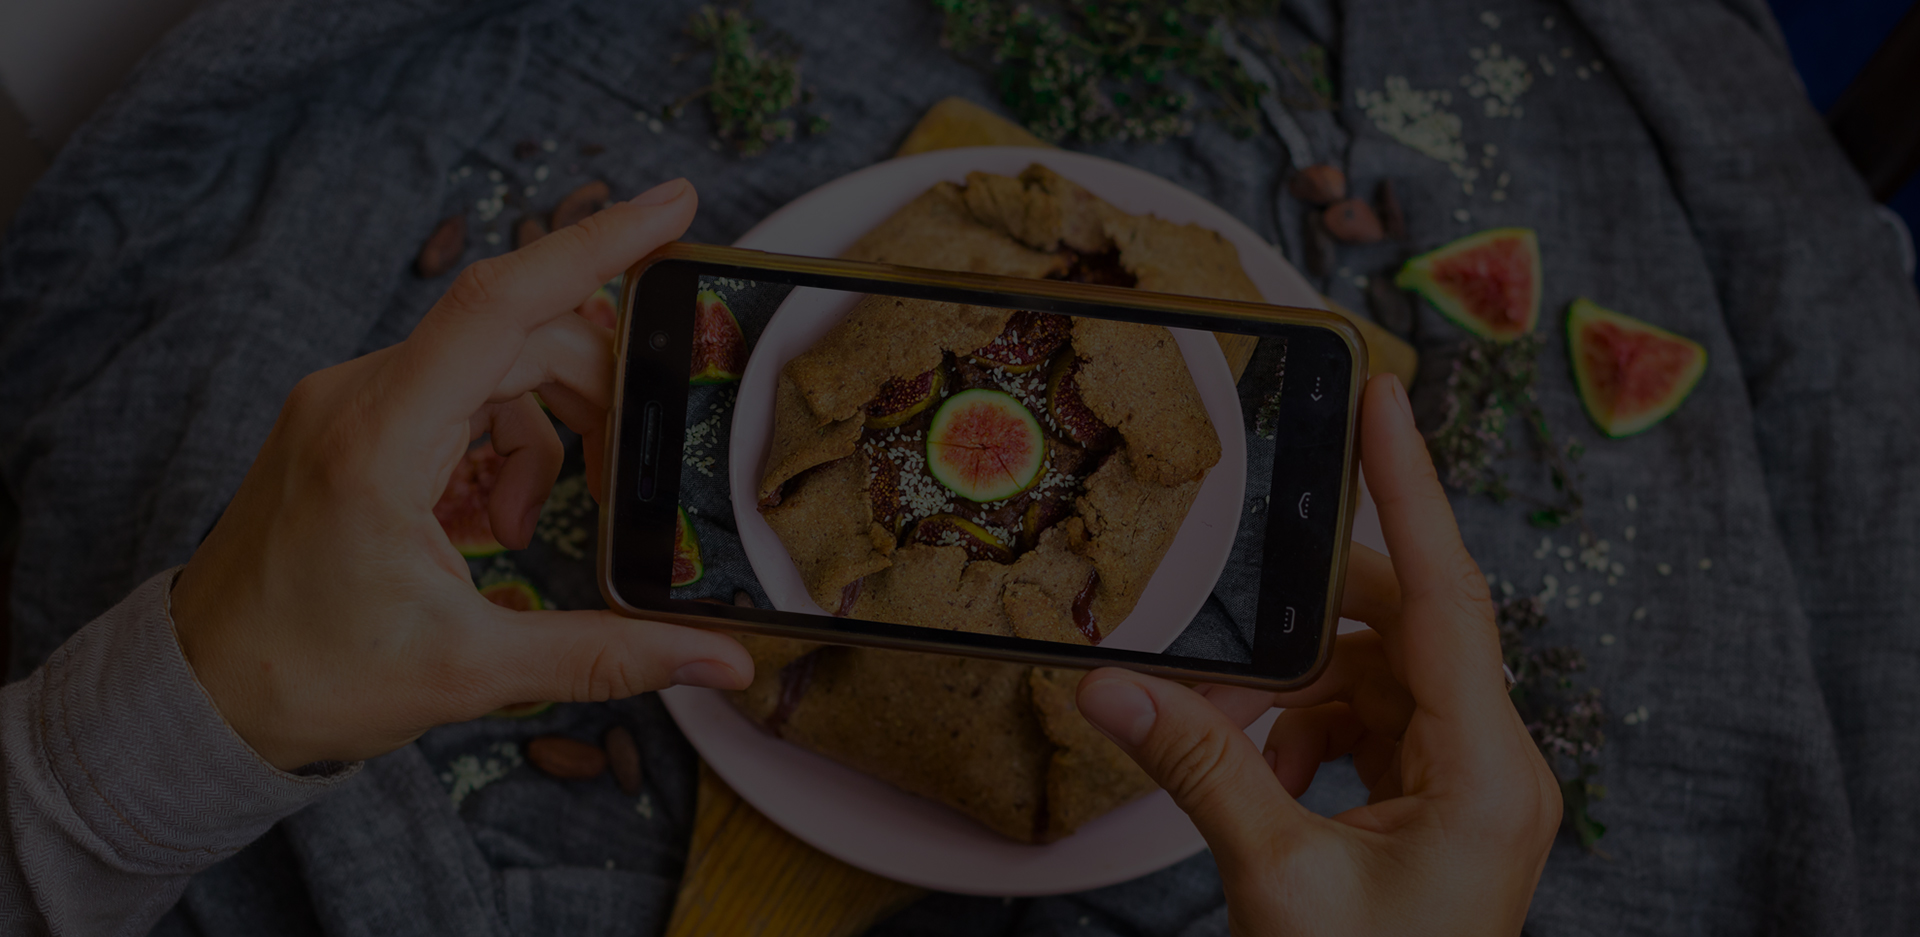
(119,779)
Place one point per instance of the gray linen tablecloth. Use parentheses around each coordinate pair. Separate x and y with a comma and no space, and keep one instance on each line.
(246,211)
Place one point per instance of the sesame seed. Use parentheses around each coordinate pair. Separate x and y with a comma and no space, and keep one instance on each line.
(1569,565)
(1490,18)
(493,175)
(1606,640)
(1573,603)
(1665,570)
(1462,215)
(1565,552)
(1547,23)
(549,145)
(1593,598)
(1633,503)
(540,173)
(1706,564)
(1640,614)
(1618,569)
(493,237)
(1628,533)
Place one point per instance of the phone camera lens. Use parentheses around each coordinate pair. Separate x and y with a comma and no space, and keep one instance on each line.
(658,340)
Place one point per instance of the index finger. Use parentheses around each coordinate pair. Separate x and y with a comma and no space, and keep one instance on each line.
(468,342)
(1444,637)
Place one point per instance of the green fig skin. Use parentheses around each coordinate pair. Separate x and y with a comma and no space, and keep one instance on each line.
(1488,261)
(1683,360)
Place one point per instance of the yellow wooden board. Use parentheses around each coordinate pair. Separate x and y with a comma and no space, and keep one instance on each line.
(747,877)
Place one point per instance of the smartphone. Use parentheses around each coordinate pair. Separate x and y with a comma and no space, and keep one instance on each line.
(1057,473)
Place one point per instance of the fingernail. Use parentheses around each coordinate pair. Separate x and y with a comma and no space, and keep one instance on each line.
(1120,709)
(707,673)
(1400,397)
(663,193)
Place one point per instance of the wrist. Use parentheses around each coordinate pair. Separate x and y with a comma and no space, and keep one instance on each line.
(241,687)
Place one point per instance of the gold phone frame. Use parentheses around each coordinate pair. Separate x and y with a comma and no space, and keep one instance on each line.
(1041,289)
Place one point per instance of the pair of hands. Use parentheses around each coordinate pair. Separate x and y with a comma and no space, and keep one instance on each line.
(329,618)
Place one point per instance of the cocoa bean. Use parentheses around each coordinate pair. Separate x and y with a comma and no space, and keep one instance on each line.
(1390,306)
(1319,185)
(567,759)
(623,756)
(529,230)
(1319,247)
(580,203)
(1353,221)
(443,248)
(1391,214)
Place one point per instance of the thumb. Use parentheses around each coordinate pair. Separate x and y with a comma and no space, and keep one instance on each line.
(590,656)
(1190,748)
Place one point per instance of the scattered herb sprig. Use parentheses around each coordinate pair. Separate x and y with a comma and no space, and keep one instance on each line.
(1565,721)
(1491,386)
(750,86)
(1096,70)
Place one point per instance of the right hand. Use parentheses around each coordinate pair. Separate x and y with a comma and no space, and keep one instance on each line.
(1463,808)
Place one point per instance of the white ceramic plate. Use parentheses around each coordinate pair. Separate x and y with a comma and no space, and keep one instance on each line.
(850,815)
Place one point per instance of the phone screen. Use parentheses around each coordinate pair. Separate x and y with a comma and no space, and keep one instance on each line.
(984,472)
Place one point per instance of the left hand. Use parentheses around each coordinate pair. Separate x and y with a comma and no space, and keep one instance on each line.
(329,617)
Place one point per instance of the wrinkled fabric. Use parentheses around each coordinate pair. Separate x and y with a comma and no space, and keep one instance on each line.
(246,211)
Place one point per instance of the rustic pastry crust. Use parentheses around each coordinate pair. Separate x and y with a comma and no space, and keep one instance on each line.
(969,725)
(1180,258)
(1002,743)
(936,230)
(1088,775)
(805,443)
(1136,380)
(1124,525)
(885,337)
(827,524)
